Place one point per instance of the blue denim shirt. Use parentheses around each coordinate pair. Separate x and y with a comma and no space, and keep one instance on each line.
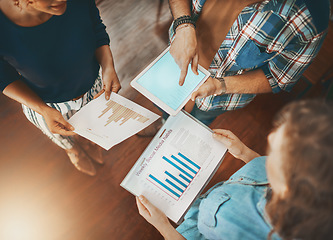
(234,209)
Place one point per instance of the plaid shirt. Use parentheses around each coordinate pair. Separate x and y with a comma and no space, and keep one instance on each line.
(278,36)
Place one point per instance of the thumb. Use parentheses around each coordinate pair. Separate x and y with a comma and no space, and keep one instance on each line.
(223,139)
(194,64)
(107,91)
(66,124)
(197,94)
(224,132)
(144,201)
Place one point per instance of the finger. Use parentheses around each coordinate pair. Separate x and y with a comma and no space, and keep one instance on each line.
(62,130)
(107,89)
(194,64)
(65,132)
(143,211)
(99,94)
(194,96)
(223,132)
(198,94)
(183,74)
(64,124)
(115,87)
(223,139)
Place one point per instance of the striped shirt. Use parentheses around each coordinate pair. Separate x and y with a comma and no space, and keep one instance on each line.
(281,37)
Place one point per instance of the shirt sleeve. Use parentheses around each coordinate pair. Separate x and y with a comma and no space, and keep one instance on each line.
(102,38)
(287,67)
(8,74)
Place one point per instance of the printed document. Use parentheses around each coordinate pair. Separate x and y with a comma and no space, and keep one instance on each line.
(176,165)
(108,123)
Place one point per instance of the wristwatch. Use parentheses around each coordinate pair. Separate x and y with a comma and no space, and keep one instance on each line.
(224,88)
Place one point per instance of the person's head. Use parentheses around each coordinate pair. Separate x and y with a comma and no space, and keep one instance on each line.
(300,169)
(53,7)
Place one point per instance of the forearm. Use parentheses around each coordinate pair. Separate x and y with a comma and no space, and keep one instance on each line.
(180,8)
(248,154)
(250,82)
(21,93)
(170,233)
(104,57)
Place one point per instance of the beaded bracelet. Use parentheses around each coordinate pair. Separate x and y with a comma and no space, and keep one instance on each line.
(182,20)
(184,26)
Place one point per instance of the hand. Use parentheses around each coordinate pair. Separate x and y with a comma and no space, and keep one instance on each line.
(110,83)
(56,122)
(235,146)
(210,87)
(152,214)
(184,50)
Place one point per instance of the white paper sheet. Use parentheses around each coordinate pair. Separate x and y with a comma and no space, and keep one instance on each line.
(176,165)
(108,123)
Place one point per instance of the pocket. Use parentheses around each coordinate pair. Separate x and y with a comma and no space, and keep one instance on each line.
(251,56)
(210,206)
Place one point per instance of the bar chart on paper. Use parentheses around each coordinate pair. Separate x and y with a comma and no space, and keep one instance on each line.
(121,113)
(110,122)
(175,175)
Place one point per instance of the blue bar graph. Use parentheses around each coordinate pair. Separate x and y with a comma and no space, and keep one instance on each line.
(177,176)
(185,178)
(163,185)
(176,179)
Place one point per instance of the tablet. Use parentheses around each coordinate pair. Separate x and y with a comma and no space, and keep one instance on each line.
(159,82)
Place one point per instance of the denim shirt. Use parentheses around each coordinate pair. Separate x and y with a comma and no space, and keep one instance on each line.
(234,209)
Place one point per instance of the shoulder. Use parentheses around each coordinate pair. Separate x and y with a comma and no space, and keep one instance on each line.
(305,14)
(231,208)
(253,172)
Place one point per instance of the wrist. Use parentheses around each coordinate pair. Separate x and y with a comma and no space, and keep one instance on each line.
(185,19)
(220,86)
(46,111)
(167,230)
(248,154)
(108,68)
(184,25)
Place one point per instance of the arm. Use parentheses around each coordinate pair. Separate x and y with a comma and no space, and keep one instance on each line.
(109,75)
(235,146)
(250,82)
(158,219)
(184,46)
(280,73)
(103,54)
(21,93)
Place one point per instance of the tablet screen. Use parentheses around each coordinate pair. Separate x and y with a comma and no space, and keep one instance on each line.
(162,80)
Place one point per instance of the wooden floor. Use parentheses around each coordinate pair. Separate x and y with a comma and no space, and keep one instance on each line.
(44,197)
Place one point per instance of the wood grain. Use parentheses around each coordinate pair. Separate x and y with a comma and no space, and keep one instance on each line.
(40,186)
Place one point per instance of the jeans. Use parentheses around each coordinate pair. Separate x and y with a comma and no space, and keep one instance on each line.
(205,117)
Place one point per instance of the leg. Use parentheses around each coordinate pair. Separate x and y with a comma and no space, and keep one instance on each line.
(205,117)
(74,152)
